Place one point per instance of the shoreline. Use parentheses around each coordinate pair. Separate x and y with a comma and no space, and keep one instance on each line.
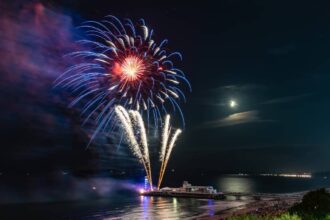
(267,205)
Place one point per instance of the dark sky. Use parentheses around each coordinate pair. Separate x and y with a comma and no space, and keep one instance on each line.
(271,57)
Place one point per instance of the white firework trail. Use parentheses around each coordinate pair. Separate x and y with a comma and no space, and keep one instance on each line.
(125,113)
(167,149)
(143,134)
(141,152)
(143,137)
(165,136)
(145,143)
(171,146)
(136,136)
(168,154)
(127,126)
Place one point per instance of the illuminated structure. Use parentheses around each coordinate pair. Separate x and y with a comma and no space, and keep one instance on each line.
(187,187)
(187,190)
(146,183)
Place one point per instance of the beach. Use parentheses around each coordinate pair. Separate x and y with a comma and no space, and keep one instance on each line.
(275,204)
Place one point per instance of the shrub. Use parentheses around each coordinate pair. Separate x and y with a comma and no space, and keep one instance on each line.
(255,217)
(287,217)
(314,205)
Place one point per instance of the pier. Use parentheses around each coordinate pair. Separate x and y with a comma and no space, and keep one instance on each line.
(219,196)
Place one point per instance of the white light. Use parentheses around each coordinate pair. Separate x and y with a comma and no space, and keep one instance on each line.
(232,103)
(132,67)
(142,191)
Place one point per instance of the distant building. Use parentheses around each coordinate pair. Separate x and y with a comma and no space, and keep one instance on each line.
(187,187)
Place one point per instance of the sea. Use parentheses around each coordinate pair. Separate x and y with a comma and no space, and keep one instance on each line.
(128,204)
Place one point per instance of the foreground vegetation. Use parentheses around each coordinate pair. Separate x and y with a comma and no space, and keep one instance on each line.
(315,205)
(255,217)
(282,217)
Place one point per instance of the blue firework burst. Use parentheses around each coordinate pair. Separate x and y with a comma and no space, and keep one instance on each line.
(123,65)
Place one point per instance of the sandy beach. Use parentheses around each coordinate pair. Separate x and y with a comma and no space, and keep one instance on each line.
(268,205)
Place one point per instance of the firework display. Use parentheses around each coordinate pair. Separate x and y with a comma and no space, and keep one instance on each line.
(132,123)
(167,147)
(122,71)
(121,64)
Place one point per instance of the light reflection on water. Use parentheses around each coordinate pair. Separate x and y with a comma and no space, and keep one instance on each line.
(178,208)
(210,205)
(248,184)
(127,205)
(163,208)
(236,184)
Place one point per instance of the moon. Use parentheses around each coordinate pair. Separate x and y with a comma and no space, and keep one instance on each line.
(232,103)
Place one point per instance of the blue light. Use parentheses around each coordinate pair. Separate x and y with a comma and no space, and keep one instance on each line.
(210,206)
(146,183)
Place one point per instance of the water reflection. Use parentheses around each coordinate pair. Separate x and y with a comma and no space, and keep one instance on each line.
(210,207)
(164,208)
(145,206)
(180,208)
(236,184)
(175,204)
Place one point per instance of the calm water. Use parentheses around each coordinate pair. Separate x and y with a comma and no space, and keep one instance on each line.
(129,205)
(268,184)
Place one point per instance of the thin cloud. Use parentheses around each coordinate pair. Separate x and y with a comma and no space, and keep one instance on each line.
(287,99)
(236,119)
(239,87)
(219,96)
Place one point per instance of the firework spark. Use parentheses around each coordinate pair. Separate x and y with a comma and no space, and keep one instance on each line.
(166,148)
(144,141)
(165,137)
(123,65)
(132,123)
(128,128)
(136,136)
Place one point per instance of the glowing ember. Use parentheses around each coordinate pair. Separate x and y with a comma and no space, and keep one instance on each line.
(130,69)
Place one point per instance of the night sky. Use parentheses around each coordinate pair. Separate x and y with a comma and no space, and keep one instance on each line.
(271,57)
